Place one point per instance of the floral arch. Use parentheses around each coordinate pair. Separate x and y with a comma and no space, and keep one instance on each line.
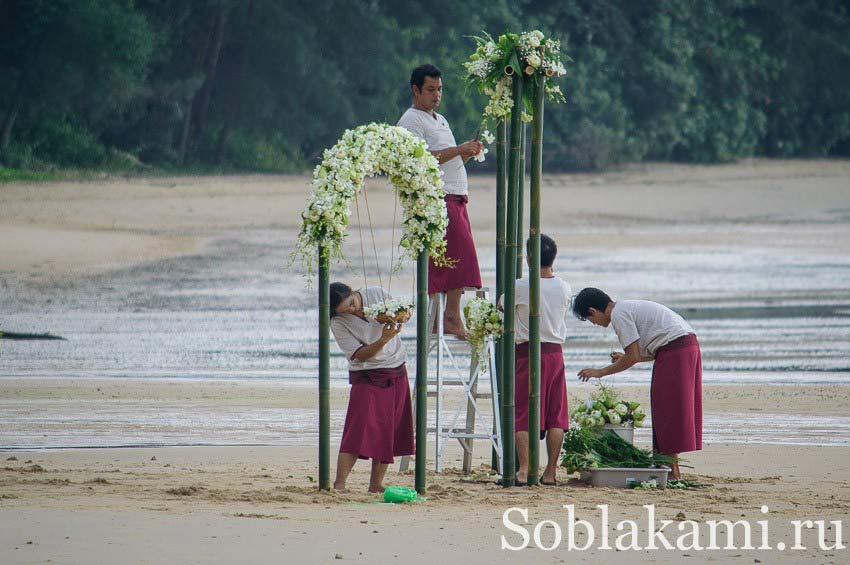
(368,151)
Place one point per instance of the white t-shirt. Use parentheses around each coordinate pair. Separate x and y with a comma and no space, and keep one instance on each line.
(651,324)
(554,310)
(438,135)
(352,332)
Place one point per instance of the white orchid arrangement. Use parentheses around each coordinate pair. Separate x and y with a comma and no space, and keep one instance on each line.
(364,152)
(388,310)
(605,407)
(483,322)
(487,138)
(495,62)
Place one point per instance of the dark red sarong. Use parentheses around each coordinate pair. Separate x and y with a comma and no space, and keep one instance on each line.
(554,411)
(379,421)
(676,397)
(460,248)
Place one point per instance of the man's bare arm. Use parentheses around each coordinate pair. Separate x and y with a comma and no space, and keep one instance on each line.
(465,151)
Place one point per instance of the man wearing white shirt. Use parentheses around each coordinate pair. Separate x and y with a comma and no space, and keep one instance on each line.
(426,85)
(554,311)
(649,331)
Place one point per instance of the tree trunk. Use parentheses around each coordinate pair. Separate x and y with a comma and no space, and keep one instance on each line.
(236,107)
(184,133)
(202,98)
(221,144)
(12,115)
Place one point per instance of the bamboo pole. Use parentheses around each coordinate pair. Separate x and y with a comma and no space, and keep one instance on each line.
(534,284)
(324,372)
(421,368)
(501,142)
(520,232)
(508,447)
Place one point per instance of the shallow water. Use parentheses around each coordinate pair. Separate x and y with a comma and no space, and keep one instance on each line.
(763,315)
(50,425)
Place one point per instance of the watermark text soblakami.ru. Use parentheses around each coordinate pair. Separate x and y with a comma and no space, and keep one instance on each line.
(574,534)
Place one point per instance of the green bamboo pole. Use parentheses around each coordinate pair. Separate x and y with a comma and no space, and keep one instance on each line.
(324,372)
(508,368)
(534,284)
(421,368)
(520,232)
(501,188)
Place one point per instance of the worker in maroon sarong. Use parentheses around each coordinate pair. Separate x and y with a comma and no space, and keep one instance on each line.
(649,331)
(379,420)
(553,330)
(421,119)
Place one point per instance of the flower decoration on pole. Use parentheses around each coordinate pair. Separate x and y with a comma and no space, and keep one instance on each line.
(495,62)
(483,322)
(368,151)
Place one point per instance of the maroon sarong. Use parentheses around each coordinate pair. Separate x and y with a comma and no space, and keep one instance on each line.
(554,412)
(460,249)
(379,421)
(676,397)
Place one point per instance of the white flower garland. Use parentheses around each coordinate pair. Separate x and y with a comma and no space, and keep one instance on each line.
(367,151)
(483,321)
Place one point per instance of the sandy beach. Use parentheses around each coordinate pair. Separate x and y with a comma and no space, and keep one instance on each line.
(75,242)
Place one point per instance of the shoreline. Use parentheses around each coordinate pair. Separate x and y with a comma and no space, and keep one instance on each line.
(110,413)
(186,273)
(67,228)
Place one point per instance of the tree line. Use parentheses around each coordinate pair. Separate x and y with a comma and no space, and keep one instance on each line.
(266,85)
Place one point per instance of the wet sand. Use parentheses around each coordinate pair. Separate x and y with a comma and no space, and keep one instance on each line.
(260,504)
(48,229)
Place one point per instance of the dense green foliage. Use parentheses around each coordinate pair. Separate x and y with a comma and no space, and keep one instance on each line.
(266,85)
(589,448)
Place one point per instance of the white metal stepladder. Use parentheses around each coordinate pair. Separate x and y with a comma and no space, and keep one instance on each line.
(446,425)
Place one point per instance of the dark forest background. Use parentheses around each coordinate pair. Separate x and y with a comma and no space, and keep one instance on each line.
(266,85)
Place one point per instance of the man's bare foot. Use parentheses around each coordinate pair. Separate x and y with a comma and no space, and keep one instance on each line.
(378,490)
(455,327)
(340,487)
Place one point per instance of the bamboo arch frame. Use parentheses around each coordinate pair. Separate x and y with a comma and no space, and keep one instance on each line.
(325,239)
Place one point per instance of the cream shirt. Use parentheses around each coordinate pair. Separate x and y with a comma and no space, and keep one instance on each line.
(651,324)
(352,332)
(554,310)
(438,135)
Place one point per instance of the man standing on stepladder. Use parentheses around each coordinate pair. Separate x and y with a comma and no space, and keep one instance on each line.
(426,85)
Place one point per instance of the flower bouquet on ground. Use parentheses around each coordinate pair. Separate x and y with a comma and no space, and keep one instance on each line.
(390,311)
(483,321)
(605,407)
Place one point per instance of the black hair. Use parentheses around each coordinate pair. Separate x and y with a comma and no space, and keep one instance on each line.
(417,77)
(339,292)
(548,250)
(590,298)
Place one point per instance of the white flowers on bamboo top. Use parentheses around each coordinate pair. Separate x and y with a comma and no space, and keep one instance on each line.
(495,62)
(367,151)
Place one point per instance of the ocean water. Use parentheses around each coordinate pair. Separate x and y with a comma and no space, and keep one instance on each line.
(763,314)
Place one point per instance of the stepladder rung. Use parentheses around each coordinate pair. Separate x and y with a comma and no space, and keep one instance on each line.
(481,395)
(461,411)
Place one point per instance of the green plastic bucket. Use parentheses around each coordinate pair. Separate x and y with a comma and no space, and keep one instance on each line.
(399,494)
